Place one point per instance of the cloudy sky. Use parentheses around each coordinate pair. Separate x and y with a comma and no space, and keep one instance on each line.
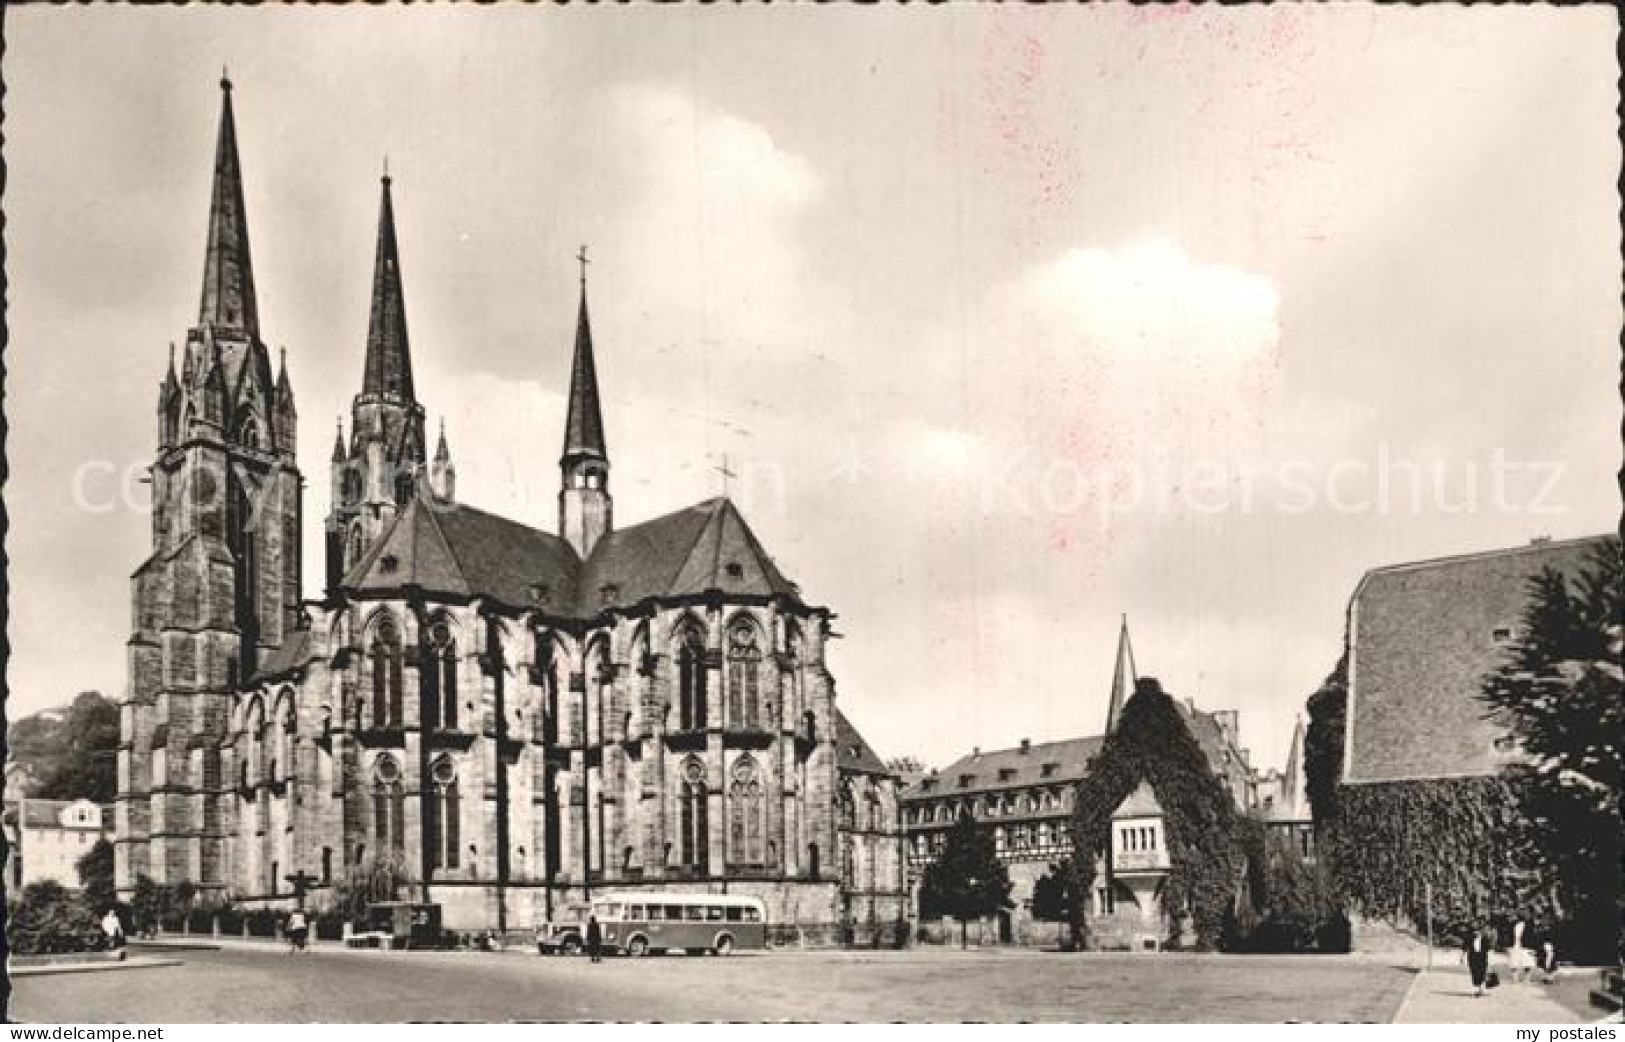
(1012,321)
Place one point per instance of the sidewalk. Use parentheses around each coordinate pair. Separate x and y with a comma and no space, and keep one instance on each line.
(1445,996)
(139,963)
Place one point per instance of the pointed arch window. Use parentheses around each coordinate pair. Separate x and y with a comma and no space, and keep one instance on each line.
(744,676)
(388,807)
(746,826)
(443,812)
(438,679)
(547,674)
(248,433)
(691,679)
(693,832)
(386,675)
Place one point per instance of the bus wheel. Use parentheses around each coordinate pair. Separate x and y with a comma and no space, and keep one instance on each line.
(725,945)
(638,947)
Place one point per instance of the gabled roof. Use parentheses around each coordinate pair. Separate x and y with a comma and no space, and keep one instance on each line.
(461,551)
(854,754)
(1141,803)
(705,547)
(1422,636)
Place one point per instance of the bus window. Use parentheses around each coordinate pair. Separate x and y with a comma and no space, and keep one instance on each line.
(656,913)
(735,914)
(753,915)
(608,912)
(714,913)
(674,913)
(634,913)
(696,913)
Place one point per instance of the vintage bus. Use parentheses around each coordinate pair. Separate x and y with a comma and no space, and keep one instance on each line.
(640,922)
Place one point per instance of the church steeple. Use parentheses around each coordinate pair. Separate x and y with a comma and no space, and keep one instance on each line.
(228,272)
(585,508)
(1123,679)
(584,425)
(389,358)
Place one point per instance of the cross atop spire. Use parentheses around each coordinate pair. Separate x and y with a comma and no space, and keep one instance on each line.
(584,424)
(1123,679)
(389,359)
(228,272)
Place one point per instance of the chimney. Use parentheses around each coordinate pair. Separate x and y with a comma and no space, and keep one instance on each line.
(1026,746)
(976,752)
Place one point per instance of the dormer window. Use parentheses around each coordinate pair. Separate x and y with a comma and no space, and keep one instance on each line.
(1502,634)
(965,780)
(735,570)
(538,592)
(1007,774)
(1048,770)
(389,564)
(609,593)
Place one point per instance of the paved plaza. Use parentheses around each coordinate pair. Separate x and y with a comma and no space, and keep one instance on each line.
(330,985)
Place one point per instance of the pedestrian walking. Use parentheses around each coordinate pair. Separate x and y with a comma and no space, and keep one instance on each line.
(1519,962)
(113,929)
(298,931)
(1477,954)
(1548,961)
(595,938)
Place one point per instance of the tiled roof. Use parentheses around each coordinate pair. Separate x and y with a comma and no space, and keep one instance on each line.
(462,551)
(855,753)
(1422,637)
(1141,803)
(1010,769)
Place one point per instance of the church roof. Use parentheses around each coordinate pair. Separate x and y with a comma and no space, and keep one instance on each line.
(1422,636)
(228,272)
(462,551)
(450,548)
(855,754)
(692,551)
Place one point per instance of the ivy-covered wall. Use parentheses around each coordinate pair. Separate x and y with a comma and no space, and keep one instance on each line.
(1392,840)
(1204,832)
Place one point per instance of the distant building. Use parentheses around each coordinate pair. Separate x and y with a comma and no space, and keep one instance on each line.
(1025,796)
(46,838)
(1282,803)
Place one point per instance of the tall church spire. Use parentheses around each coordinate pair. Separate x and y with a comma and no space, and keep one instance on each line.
(585,508)
(584,425)
(228,273)
(1123,678)
(389,358)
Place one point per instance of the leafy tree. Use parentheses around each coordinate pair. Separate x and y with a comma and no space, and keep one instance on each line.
(376,878)
(49,920)
(967,881)
(1152,744)
(95,871)
(1561,695)
(1056,894)
(1323,744)
(1292,904)
(73,757)
(149,904)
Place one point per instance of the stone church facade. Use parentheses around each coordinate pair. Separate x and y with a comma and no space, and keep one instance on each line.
(513,718)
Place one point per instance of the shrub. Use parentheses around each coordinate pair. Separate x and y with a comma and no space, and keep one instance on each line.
(49,920)
(261,922)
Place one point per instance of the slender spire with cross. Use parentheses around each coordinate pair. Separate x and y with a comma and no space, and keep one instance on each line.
(581,255)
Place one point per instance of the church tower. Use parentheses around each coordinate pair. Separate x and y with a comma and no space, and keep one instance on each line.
(221,587)
(585,507)
(378,471)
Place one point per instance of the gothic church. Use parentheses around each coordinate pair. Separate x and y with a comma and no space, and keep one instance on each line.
(513,718)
